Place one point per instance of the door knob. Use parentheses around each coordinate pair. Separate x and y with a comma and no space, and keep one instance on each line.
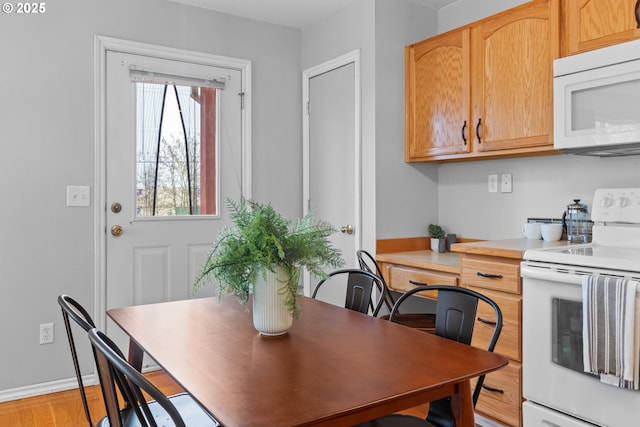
(347,229)
(116,231)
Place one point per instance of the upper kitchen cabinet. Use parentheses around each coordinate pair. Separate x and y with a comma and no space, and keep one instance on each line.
(437,111)
(591,24)
(513,88)
(484,90)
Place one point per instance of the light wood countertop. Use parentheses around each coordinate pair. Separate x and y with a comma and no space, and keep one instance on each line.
(446,262)
(511,248)
(449,262)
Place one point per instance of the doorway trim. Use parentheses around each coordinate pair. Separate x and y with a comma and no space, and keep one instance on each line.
(307,75)
(102,44)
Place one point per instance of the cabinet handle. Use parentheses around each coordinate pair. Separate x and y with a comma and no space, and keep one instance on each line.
(486,322)
(493,389)
(413,282)
(489,275)
(637,13)
(464,127)
(478,128)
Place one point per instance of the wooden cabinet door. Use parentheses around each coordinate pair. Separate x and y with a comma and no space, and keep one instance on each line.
(513,78)
(591,24)
(437,111)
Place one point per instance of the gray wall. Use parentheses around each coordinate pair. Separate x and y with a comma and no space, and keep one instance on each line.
(47,134)
(402,208)
(463,12)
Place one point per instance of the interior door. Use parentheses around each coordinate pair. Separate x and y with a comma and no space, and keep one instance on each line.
(154,251)
(333,155)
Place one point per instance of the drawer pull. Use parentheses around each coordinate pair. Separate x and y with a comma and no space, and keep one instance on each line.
(492,389)
(486,322)
(413,282)
(489,275)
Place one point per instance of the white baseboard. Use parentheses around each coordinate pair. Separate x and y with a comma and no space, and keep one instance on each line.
(44,388)
(484,422)
(55,386)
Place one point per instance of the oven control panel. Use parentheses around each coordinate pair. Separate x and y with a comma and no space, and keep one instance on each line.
(616,205)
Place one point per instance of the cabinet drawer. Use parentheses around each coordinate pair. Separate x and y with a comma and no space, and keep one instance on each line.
(398,278)
(499,275)
(509,341)
(503,404)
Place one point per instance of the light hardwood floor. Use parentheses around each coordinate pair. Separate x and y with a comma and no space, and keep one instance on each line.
(64,409)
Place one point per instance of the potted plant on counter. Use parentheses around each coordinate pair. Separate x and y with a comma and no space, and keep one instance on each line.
(262,254)
(438,241)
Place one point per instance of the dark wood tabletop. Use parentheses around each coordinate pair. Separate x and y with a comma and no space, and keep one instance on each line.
(334,367)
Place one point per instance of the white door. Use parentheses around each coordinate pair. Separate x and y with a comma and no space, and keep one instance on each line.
(166,231)
(332,159)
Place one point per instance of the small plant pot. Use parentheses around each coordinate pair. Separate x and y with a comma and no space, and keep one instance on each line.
(438,245)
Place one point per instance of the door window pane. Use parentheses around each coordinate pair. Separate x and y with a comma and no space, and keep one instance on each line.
(176,136)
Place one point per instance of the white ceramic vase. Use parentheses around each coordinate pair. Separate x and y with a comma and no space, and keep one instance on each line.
(271,316)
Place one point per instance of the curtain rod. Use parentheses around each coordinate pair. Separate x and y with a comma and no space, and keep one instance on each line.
(145,76)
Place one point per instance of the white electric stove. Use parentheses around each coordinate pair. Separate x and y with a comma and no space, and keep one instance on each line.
(557,390)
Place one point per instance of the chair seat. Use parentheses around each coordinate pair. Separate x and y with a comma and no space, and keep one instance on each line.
(397,420)
(191,412)
(440,413)
(423,321)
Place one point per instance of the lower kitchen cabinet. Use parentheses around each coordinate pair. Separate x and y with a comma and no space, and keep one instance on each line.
(501,396)
(400,278)
(499,279)
(493,269)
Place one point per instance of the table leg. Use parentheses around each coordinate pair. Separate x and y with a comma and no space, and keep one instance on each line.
(462,406)
(135,355)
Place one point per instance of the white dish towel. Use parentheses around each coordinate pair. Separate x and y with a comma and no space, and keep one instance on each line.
(610,333)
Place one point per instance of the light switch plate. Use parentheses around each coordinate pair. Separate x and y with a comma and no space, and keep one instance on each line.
(78,195)
(493,183)
(506,184)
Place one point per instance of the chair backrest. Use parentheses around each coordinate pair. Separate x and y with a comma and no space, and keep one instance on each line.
(368,263)
(71,309)
(359,289)
(456,317)
(114,370)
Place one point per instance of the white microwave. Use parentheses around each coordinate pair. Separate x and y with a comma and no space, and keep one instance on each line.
(597,101)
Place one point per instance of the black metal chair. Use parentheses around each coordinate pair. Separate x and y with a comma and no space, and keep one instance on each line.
(359,289)
(368,263)
(71,309)
(180,410)
(455,320)
(423,321)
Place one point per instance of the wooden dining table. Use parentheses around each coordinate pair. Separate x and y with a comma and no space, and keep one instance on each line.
(334,367)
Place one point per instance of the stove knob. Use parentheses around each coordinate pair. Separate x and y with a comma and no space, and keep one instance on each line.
(622,202)
(606,202)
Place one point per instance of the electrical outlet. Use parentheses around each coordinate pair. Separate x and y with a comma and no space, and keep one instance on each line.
(493,183)
(46,333)
(506,183)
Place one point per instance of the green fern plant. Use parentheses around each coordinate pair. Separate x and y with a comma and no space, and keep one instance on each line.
(436,231)
(262,239)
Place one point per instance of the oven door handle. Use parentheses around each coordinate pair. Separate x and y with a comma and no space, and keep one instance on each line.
(545,273)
